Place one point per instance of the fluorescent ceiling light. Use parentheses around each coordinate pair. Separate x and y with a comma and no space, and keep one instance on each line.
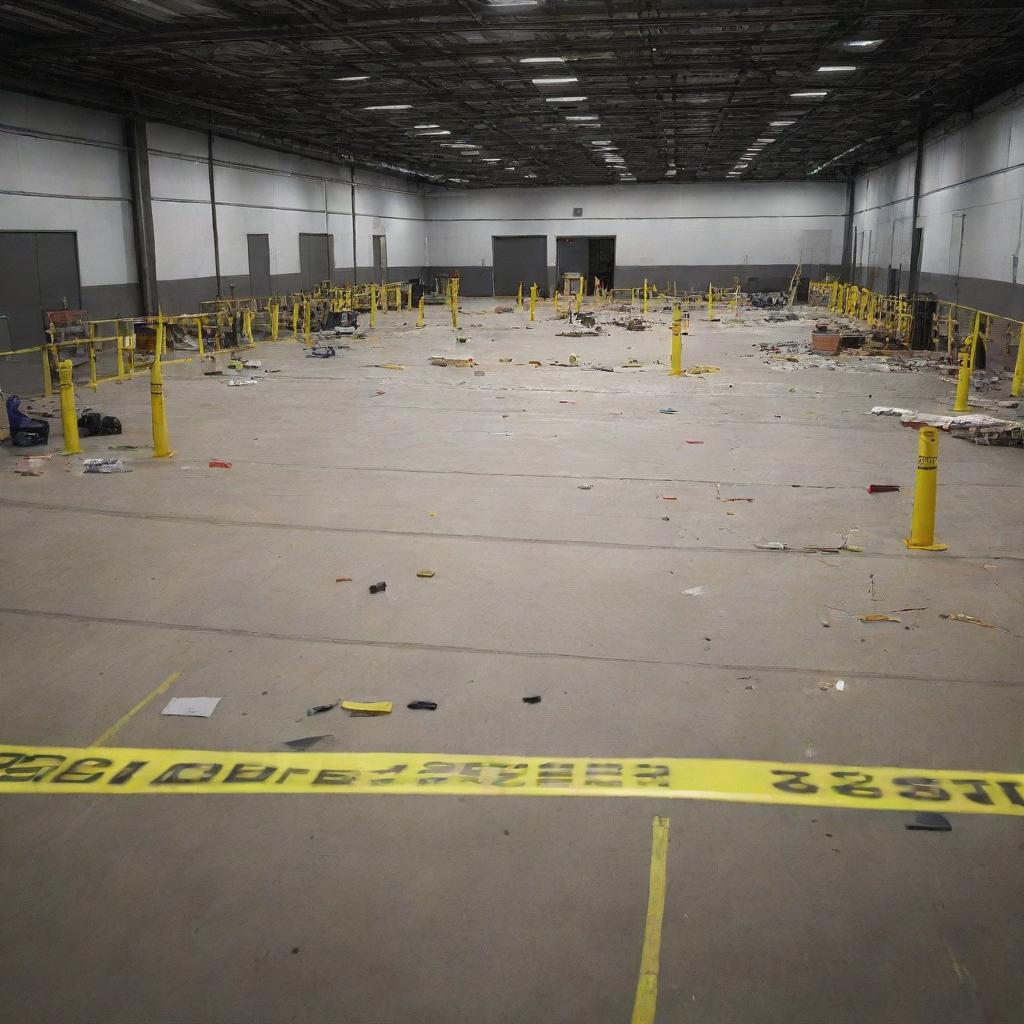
(741,167)
(837,67)
(492,159)
(566,99)
(435,133)
(863,44)
(353,78)
(514,3)
(553,81)
(600,142)
(733,174)
(765,141)
(581,117)
(460,181)
(509,168)
(391,106)
(426,126)
(814,94)
(541,60)
(781,124)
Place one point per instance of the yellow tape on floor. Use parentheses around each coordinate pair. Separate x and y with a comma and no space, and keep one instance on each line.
(123,770)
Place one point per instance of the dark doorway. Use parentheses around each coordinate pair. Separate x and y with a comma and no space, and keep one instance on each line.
(259,264)
(380,259)
(591,256)
(38,271)
(520,258)
(316,259)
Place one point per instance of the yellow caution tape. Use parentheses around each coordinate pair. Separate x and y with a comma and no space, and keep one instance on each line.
(25,769)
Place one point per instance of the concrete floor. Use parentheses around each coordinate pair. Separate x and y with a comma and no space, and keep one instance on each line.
(398,910)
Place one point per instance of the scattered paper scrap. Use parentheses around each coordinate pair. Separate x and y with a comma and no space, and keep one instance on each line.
(342,579)
(218,464)
(874,617)
(964,617)
(362,708)
(772,545)
(694,592)
(718,493)
(836,684)
(191,707)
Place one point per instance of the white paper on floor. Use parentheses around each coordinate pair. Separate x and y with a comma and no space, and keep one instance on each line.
(191,707)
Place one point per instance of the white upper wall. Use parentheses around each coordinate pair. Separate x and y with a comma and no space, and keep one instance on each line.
(655,225)
(975,172)
(66,169)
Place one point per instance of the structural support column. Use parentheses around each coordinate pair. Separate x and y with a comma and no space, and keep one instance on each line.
(914,282)
(142,210)
(848,268)
(352,207)
(213,213)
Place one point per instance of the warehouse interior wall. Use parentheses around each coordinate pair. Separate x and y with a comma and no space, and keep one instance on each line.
(971,213)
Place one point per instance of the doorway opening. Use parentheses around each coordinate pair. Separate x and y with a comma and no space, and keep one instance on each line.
(593,256)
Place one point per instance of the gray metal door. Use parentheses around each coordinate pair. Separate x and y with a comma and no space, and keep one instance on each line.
(380,259)
(571,256)
(38,270)
(259,264)
(316,258)
(520,258)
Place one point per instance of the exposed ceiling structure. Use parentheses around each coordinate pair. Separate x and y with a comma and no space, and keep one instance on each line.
(652,90)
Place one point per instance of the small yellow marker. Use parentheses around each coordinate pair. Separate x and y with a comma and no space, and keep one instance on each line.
(425,574)
(361,707)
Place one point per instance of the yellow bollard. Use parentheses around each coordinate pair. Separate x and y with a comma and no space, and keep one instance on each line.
(963,382)
(455,303)
(68,414)
(421,317)
(676,369)
(295,319)
(533,302)
(247,326)
(922,524)
(383,295)
(1018,369)
(519,295)
(160,334)
(645,296)
(373,305)
(555,300)
(161,444)
(711,300)
(47,378)
(92,365)
(275,322)
(579,302)
(305,321)
(409,298)
(120,349)
(199,335)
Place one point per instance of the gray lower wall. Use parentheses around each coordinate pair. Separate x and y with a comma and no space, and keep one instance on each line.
(110,300)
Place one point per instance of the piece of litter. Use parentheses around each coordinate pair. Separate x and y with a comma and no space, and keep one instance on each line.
(424,574)
(478,373)
(362,708)
(105,466)
(391,366)
(963,617)
(191,707)
(218,464)
(584,487)
(668,497)
(319,709)
(422,705)
(433,515)
(342,579)
(252,364)
(531,700)
(882,488)
(694,442)
(306,742)
(873,617)
(32,465)
(667,411)
(239,382)
(772,545)
(666,519)
(450,361)
(718,493)
(836,684)
(377,588)
(929,821)
(565,401)
(694,591)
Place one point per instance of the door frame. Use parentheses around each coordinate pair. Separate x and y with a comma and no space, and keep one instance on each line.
(588,238)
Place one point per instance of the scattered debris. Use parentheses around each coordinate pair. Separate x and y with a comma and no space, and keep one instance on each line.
(218,464)
(422,705)
(425,574)
(882,488)
(669,411)
(342,579)
(105,466)
(964,617)
(321,352)
(191,707)
(772,545)
(874,617)
(929,821)
(478,373)
(718,493)
(668,497)
(241,382)
(694,442)
(366,709)
(694,592)
(696,371)
(378,588)
(451,361)
(504,309)
(307,742)
(319,709)
(32,465)
(252,364)
(531,700)
(837,684)
(584,487)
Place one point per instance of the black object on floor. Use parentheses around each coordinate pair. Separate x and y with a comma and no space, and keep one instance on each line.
(422,705)
(377,588)
(929,821)
(531,700)
(305,742)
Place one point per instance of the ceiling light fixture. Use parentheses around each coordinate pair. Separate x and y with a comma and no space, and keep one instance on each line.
(781,124)
(553,81)
(435,133)
(353,78)
(514,3)
(426,126)
(492,159)
(863,44)
(814,94)
(837,67)
(541,60)
(391,106)
(765,141)
(565,99)
(581,117)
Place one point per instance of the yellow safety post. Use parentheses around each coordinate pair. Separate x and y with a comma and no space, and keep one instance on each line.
(519,296)
(455,303)
(373,305)
(676,369)
(275,322)
(963,383)
(159,334)
(645,296)
(305,320)
(579,293)
(47,379)
(409,298)
(68,414)
(199,335)
(120,349)
(92,365)
(711,301)
(295,319)
(579,301)
(533,302)
(421,318)
(922,524)
(161,444)
(247,326)
(555,300)
(1018,369)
